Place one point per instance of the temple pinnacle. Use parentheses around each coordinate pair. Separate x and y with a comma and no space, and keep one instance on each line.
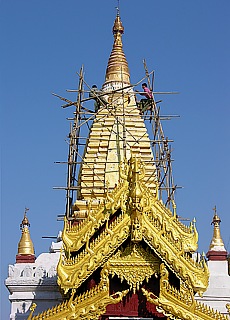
(25,245)
(117,71)
(216,241)
(217,249)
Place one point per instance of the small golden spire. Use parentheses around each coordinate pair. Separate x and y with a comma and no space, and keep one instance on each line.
(32,309)
(25,245)
(117,69)
(216,242)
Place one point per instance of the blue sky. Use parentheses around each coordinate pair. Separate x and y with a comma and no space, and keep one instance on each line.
(45,42)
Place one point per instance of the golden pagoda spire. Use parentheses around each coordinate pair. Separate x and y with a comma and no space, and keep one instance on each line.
(117,69)
(216,242)
(217,249)
(25,245)
(118,131)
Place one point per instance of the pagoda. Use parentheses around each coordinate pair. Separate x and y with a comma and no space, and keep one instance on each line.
(125,253)
(218,292)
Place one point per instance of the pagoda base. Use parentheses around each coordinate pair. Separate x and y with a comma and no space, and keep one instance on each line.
(25,258)
(217,255)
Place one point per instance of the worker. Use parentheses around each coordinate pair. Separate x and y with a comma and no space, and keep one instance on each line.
(146,104)
(95,93)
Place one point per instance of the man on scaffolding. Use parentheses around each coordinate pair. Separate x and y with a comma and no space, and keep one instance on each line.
(145,104)
(95,93)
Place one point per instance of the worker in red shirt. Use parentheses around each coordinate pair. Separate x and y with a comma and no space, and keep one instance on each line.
(146,104)
(147,93)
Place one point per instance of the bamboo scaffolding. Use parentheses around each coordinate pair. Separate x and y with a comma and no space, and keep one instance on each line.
(84,116)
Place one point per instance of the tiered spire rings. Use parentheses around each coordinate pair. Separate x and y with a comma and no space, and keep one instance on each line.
(117,69)
(217,241)
(217,249)
(25,245)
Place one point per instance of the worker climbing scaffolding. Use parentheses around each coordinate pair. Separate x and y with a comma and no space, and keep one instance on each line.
(145,103)
(95,93)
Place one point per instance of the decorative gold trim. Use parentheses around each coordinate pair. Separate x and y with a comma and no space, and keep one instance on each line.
(180,305)
(32,309)
(134,264)
(171,253)
(142,217)
(228,307)
(73,271)
(87,306)
(74,236)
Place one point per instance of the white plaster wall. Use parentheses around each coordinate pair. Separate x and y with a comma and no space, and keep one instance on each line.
(218,292)
(33,283)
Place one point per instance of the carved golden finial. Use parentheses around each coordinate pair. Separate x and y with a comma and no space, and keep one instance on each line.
(193,224)
(117,69)
(214,209)
(216,242)
(32,309)
(25,221)
(135,175)
(228,307)
(174,209)
(135,197)
(118,7)
(25,245)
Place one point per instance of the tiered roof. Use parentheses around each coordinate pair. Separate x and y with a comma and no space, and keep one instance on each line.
(125,231)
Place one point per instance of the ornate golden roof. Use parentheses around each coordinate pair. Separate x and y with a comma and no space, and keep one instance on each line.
(174,304)
(217,243)
(180,304)
(142,218)
(127,231)
(25,245)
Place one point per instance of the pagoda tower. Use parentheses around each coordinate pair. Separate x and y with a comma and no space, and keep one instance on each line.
(25,246)
(117,131)
(125,254)
(32,280)
(217,251)
(217,295)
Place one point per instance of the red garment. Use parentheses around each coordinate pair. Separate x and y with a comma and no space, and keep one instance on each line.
(148,93)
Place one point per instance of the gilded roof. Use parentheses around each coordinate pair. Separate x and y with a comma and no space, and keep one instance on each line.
(126,230)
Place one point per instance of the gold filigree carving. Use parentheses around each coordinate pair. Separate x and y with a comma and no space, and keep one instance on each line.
(142,217)
(135,175)
(134,264)
(179,305)
(148,219)
(187,234)
(185,267)
(74,236)
(72,272)
(87,306)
